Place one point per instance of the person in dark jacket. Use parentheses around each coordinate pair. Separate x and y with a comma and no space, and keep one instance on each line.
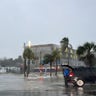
(66,73)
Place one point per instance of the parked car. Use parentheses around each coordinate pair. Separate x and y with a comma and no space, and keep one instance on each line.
(81,75)
(87,74)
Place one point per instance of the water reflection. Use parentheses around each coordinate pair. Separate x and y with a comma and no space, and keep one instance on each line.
(33,90)
(78,91)
(27,94)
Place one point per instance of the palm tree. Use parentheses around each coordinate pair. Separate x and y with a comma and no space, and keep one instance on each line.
(64,42)
(85,53)
(56,56)
(65,45)
(27,55)
(48,58)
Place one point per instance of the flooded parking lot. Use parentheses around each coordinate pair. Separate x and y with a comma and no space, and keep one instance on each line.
(17,85)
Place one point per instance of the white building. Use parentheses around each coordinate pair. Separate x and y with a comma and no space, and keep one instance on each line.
(69,55)
(41,50)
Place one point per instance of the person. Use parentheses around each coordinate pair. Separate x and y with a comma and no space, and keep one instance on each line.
(66,73)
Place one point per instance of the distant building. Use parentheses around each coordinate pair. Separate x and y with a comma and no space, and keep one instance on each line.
(69,56)
(41,50)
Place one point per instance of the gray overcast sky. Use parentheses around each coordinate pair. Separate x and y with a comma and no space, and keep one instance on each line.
(43,22)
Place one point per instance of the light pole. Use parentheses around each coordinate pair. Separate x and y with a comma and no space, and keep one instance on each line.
(28,69)
(25,66)
(40,57)
(60,57)
(69,48)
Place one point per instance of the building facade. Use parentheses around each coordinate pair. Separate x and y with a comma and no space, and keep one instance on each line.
(41,50)
(68,57)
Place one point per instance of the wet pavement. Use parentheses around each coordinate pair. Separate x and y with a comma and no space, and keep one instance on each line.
(35,85)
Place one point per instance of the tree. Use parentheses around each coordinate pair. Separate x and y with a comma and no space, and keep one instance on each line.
(27,55)
(64,42)
(48,58)
(56,56)
(64,46)
(86,53)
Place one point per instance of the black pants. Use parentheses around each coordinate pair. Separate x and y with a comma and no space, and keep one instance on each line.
(66,80)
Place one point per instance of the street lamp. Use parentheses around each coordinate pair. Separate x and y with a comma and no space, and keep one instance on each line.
(69,48)
(29,44)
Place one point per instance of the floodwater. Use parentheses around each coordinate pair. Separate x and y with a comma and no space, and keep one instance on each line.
(17,85)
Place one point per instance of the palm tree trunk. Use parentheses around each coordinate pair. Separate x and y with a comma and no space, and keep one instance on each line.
(25,67)
(56,68)
(28,67)
(50,68)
